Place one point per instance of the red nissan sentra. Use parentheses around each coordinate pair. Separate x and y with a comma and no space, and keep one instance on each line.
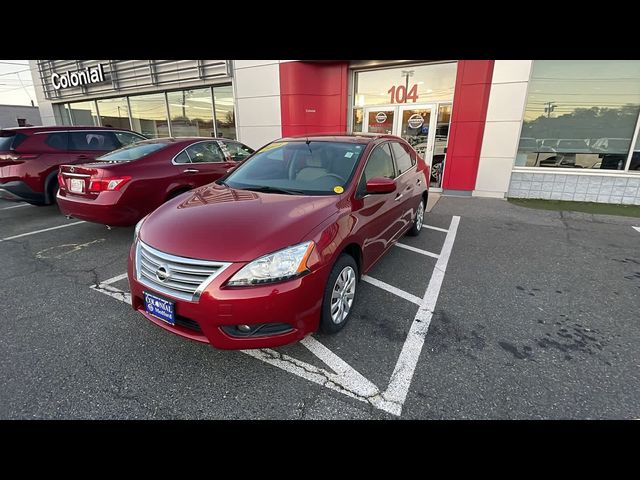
(123,186)
(275,249)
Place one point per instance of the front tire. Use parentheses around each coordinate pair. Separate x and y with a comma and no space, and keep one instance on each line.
(415,229)
(339,295)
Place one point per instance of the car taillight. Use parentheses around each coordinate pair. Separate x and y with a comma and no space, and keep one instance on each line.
(61,183)
(107,184)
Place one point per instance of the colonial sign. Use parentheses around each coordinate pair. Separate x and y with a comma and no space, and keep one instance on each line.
(78,77)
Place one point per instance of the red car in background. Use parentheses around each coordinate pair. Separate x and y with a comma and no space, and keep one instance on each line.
(274,250)
(30,157)
(125,185)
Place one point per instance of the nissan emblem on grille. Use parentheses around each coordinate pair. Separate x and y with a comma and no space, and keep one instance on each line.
(162,274)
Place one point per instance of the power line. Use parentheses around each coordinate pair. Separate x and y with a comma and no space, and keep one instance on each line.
(12,63)
(17,71)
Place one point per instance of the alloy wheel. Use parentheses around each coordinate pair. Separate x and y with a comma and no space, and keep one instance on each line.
(342,296)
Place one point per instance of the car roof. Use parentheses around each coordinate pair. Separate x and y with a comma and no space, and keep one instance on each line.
(352,137)
(59,128)
(176,140)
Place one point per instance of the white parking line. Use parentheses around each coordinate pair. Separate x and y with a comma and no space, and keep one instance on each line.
(113,292)
(17,206)
(636,229)
(417,250)
(40,231)
(115,279)
(406,365)
(392,289)
(435,228)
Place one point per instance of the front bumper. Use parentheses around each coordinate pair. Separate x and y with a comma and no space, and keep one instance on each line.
(296,303)
(105,209)
(20,191)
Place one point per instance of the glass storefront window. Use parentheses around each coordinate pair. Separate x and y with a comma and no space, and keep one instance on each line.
(580,114)
(84,113)
(634,164)
(191,113)
(62,114)
(410,84)
(225,118)
(114,112)
(149,115)
(358,114)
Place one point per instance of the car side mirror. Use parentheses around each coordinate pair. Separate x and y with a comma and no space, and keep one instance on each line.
(381,185)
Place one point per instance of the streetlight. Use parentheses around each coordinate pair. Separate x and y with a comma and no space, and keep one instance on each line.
(407,74)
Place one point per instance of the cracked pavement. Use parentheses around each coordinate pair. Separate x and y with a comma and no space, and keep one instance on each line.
(537,318)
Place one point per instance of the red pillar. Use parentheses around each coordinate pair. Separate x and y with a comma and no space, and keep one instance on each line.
(313,97)
(470,102)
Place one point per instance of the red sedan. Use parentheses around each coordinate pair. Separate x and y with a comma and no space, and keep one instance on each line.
(274,250)
(123,186)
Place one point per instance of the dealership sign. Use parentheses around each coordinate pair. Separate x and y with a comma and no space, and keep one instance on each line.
(78,77)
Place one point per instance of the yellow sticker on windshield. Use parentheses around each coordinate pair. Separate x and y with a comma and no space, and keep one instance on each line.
(338,189)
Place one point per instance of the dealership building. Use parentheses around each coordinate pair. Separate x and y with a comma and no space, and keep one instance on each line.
(551,129)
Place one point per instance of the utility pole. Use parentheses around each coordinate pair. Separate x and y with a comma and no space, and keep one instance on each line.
(550,107)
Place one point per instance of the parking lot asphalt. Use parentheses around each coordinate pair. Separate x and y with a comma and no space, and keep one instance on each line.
(536,316)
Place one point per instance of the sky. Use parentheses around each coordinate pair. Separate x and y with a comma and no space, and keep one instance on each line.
(16,85)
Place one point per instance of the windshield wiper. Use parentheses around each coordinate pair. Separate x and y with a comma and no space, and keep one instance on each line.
(267,189)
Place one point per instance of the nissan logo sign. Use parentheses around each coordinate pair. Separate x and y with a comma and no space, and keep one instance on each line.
(381,117)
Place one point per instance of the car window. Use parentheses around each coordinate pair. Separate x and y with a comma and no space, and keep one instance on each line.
(380,163)
(205,152)
(10,140)
(132,152)
(403,159)
(182,158)
(127,138)
(309,167)
(57,140)
(92,140)
(237,151)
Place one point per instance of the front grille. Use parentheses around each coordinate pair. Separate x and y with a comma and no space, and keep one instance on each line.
(180,277)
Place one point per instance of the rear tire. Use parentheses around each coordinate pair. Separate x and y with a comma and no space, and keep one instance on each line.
(339,294)
(415,229)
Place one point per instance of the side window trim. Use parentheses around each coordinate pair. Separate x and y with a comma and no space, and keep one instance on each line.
(395,162)
(173,160)
(360,194)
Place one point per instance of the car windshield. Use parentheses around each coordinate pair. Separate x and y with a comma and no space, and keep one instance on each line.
(299,167)
(132,152)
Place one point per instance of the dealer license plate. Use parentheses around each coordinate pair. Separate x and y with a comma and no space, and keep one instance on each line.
(160,308)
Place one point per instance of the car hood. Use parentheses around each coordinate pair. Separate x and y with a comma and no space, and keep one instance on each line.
(220,223)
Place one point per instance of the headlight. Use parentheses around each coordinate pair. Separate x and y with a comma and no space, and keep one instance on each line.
(138,227)
(281,265)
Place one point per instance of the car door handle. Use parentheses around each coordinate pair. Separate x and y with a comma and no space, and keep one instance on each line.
(399,196)
(83,157)
(190,170)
